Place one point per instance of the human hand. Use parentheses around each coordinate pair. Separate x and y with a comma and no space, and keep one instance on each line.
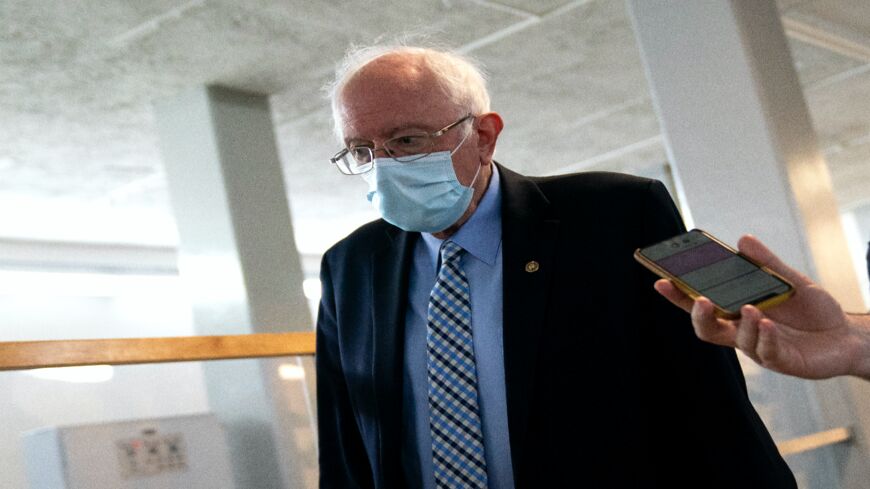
(807,336)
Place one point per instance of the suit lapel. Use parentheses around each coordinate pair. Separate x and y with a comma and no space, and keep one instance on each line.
(390,269)
(529,238)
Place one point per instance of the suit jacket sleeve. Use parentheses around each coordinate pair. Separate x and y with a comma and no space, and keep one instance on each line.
(343,460)
(703,392)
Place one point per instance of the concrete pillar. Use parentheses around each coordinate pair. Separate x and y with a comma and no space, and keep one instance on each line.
(238,257)
(739,135)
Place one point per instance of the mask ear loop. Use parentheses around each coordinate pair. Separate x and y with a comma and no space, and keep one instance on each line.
(464,138)
(473,180)
(479,166)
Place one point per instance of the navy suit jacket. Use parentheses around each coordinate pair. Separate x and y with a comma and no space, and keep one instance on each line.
(607,385)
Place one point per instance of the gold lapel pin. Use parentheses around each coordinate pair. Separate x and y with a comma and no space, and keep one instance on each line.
(532,266)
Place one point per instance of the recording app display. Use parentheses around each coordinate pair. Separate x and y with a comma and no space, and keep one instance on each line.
(725,278)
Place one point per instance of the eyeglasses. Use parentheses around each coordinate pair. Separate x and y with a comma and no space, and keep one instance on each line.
(405,148)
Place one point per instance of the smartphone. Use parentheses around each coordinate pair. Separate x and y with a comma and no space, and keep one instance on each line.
(700,265)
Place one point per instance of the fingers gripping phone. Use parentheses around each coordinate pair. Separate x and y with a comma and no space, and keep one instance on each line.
(700,265)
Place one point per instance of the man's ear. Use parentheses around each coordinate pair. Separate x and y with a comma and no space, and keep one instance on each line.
(489,126)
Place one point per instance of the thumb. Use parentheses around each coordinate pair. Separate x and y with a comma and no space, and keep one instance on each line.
(753,248)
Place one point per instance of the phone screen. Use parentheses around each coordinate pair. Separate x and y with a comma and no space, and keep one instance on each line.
(716,272)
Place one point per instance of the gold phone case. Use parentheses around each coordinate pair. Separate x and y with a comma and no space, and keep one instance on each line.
(694,294)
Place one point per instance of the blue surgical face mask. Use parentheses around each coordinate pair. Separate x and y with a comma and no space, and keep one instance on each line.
(422,195)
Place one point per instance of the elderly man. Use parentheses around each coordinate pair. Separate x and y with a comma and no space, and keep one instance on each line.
(493,330)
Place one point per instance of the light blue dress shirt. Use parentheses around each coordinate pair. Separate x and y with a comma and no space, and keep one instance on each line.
(480,237)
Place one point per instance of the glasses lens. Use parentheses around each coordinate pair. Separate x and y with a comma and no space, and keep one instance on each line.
(355,161)
(361,154)
(409,147)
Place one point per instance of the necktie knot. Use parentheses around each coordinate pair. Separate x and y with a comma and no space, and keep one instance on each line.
(450,252)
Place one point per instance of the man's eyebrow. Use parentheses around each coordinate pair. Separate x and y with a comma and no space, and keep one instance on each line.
(348,141)
(392,131)
(414,125)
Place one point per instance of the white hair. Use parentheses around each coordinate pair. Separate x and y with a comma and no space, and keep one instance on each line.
(461,78)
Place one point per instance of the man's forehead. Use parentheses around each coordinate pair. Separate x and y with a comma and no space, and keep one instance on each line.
(366,93)
(380,118)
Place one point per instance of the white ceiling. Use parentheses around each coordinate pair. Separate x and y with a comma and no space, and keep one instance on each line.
(78,150)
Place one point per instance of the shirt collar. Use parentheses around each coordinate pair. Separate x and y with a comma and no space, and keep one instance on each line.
(481,233)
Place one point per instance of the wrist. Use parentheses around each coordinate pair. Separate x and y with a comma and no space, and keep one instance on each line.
(860,327)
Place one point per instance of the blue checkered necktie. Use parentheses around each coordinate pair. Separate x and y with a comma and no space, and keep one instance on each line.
(454,417)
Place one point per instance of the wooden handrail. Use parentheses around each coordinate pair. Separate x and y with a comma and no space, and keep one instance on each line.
(816,440)
(19,355)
